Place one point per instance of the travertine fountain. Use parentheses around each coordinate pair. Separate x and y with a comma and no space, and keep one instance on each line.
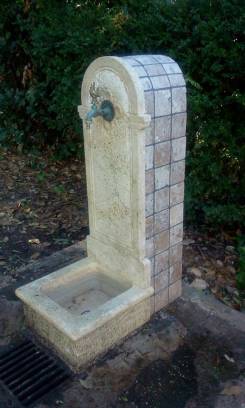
(134,117)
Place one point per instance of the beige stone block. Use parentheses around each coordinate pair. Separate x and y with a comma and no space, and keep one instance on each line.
(163,59)
(152,262)
(149,134)
(161,280)
(156,69)
(175,291)
(162,102)
(172,68)
(149,154)
(131,60)
(161,261)
(140,71)
(160,82)
(152,304)
(162,199)
(148,205)
(176,194)
(161,299)
(149,226)
(162,128)
(149,181)
(175,272)
(176,234)
(162,177)
(161,241)
(145,59)
(162,154)
(175,254)
(149,103)
(178,100)
(176,214)
(176,80)
(177,172)
(161,221)
(178,125)
(146,84)
(149,247)
(178,149)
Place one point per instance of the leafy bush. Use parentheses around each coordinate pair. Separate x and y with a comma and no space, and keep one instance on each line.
(47,45)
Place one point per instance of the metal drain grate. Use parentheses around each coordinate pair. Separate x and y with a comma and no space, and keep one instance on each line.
(29,373)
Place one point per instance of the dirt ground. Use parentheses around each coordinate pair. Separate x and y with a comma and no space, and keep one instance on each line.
(43,208)
(163,365)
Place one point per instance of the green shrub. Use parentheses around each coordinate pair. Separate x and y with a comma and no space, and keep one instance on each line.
(47,45)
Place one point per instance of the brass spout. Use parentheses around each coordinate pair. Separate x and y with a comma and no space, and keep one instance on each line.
(106,110)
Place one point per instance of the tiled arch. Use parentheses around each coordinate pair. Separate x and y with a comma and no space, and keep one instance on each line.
(165,144)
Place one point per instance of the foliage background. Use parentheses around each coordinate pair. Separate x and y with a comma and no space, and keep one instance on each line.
(47,45)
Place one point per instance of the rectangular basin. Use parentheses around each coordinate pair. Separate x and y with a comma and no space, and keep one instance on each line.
(85,293)
(81,311)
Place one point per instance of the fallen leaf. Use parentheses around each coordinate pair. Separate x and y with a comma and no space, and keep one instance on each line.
(35,241)
(230,359)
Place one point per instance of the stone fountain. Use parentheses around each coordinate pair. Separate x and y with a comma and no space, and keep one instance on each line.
(134,115)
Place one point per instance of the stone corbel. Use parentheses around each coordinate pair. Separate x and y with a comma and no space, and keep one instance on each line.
(139,122)
(83,110)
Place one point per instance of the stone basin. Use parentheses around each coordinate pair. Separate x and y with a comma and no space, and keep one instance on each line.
(80,309)
(86,293)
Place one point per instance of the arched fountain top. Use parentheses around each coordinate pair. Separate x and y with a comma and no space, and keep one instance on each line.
(119,75)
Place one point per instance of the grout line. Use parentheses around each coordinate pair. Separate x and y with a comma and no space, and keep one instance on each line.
(162,75)
(157,62)
(165,140)
(167,88)
(173,114)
